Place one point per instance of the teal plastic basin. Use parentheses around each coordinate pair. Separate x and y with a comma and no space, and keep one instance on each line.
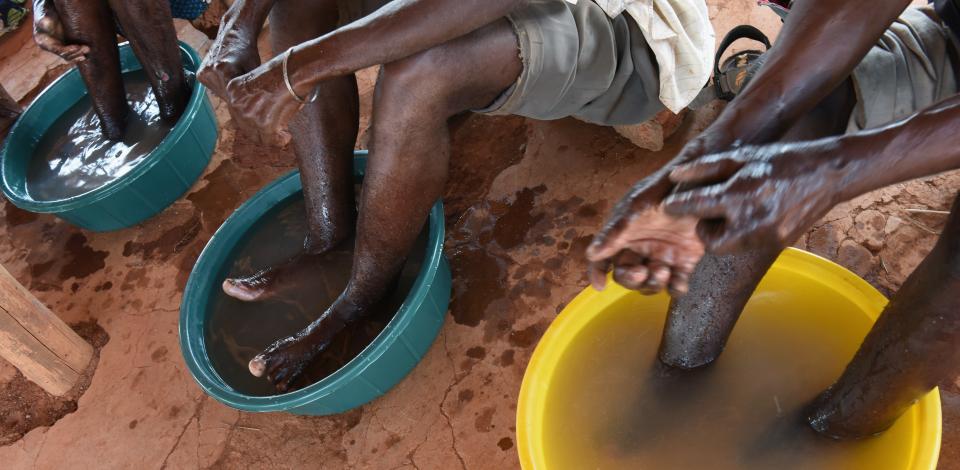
(147,189)
(384,362)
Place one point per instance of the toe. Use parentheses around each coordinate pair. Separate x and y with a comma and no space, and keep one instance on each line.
(240,291)
(257,366)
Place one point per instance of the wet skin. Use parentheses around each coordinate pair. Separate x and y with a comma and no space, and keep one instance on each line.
(912,347)
(767,195)
(322,133)
(436,62)
(801,92)
(784,100)
(763,197)
(84,32)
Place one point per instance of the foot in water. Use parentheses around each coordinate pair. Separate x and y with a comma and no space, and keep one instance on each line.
(698,324)
(285,360)
(274,280)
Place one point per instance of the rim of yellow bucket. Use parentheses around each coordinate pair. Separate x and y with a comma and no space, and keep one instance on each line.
(585,306)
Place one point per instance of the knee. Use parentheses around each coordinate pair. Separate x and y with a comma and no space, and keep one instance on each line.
(296,21)
(417,83)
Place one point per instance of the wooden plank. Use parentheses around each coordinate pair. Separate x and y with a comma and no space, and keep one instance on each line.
(34,360)
(35,318)
(37,342)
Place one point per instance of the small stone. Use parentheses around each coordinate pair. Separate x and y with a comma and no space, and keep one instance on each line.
(855,257)
(893,223)
(646,135)
(868,229)
(651,134)
(670,122)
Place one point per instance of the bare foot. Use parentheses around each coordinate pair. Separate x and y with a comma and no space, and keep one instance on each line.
(302,268)
(284,361)
(265,283)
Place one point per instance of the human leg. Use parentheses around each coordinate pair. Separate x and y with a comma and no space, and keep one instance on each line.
(700,322)
(90,22)
(323,135)
(916,48)
(405,174)
(148,25)
(911,348)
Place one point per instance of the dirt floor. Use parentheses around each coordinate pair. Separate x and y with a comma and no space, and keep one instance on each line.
(25,406)
(539,189)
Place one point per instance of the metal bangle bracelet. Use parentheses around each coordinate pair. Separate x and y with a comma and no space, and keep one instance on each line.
(286,81)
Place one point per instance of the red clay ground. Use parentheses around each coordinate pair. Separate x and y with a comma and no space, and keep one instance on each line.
(539,190)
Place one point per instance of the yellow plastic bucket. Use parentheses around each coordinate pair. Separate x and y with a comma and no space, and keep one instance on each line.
(814,283)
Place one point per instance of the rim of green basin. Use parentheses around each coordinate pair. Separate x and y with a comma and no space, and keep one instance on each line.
(203,279)
(191,61)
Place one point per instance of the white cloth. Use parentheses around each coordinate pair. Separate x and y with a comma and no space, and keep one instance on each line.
(682,39)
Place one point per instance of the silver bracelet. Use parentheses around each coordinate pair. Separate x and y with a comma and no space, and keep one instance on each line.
(286,81)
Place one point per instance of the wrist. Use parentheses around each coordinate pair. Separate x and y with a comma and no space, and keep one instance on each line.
(753,119)
(842,157)
(302,81)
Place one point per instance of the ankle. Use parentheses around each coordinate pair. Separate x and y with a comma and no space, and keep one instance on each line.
(346,309)
(325,240)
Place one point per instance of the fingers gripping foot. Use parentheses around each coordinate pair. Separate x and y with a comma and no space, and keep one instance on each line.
(652,251)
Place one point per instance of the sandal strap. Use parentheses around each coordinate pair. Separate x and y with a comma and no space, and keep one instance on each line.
(743,31)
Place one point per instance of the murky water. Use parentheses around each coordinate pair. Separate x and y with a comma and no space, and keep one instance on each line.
(613,406)
(237,331)
(74,157)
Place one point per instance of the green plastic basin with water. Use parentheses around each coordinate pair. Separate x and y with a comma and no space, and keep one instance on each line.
(162,177)
(380,366)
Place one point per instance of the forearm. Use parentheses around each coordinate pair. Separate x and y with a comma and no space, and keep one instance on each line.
(922,145)
(397,30)
(821,43)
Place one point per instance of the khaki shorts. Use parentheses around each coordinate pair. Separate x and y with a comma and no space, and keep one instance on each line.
(577,61)
(909,69)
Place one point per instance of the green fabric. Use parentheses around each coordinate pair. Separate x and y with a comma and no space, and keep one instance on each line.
(13,11)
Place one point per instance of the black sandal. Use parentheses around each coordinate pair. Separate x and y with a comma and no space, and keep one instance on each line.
(735,72)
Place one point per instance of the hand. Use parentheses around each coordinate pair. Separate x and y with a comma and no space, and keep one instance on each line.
(48,34)
(647,249)
(755,196)
(261,104)
(233,53)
